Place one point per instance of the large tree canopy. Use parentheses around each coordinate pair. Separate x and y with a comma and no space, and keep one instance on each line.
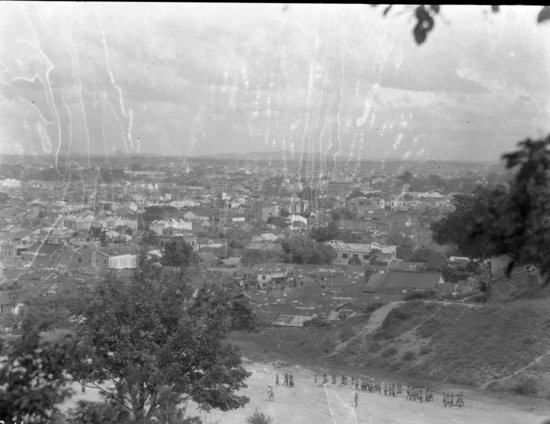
(476,224)
(301,249)
(498,220)
(158,344)
(177,252)
(33,377)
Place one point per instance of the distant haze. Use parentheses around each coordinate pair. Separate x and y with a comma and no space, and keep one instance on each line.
(203,79)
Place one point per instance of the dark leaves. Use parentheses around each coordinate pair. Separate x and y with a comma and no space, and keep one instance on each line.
(151,333)
(544,14)
(513,221)
(424,25)
(33,376)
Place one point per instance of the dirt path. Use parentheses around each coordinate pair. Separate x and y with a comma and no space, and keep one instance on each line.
(517,372)
(310,403)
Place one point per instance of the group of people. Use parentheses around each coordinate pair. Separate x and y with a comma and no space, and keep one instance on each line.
(373,385)
(449,400)
(288,380)
(419,394)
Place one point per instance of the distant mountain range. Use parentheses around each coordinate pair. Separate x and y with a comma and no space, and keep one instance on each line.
(296,156)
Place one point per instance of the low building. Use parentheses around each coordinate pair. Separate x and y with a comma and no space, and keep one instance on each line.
(263,213)
(122,262)
(361,252)
(403,283)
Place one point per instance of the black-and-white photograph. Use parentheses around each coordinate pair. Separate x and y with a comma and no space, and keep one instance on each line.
(257,213)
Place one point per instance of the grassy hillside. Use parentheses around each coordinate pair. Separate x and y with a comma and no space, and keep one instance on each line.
(500,346)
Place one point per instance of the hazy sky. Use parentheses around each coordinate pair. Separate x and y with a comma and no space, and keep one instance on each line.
(192,79)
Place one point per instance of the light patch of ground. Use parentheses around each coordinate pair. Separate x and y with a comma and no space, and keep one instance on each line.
(310,403)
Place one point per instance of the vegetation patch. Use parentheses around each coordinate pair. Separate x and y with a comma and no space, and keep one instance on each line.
(428,328)
(390,351)
(409,356)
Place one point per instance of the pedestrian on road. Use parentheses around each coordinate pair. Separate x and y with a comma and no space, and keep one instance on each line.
(276,379)
(356,399)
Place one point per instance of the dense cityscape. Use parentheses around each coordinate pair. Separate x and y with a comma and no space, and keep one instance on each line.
(255,213)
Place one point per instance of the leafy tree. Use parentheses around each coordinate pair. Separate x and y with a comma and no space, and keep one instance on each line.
(403,243)
(330,232)
(159,345)
(500,220)
(103,238)
(406,177)
(478,226)
(527,216)
(34,378)
(342,213)
(95,413)
(242,317)
(177,252)
(46,311)
(95,232)
(429,256)
(301,249)
(236,244)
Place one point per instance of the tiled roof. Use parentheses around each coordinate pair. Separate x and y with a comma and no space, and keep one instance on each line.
(411,280)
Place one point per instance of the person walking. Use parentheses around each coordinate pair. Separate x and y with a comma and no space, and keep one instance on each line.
(276,379)
(356,399)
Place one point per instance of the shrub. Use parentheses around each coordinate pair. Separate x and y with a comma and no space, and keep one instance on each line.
(259,418)
(316,322)
(370,308)
(428,328)
(409,356)
(346,333)
(390,351)
(421,295)
(425,350)
(525,386)
(375,347)
(394,318)
(529,340)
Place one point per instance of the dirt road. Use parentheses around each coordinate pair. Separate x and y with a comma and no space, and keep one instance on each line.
(309,403)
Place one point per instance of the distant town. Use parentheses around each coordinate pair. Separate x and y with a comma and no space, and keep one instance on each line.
(359,234)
